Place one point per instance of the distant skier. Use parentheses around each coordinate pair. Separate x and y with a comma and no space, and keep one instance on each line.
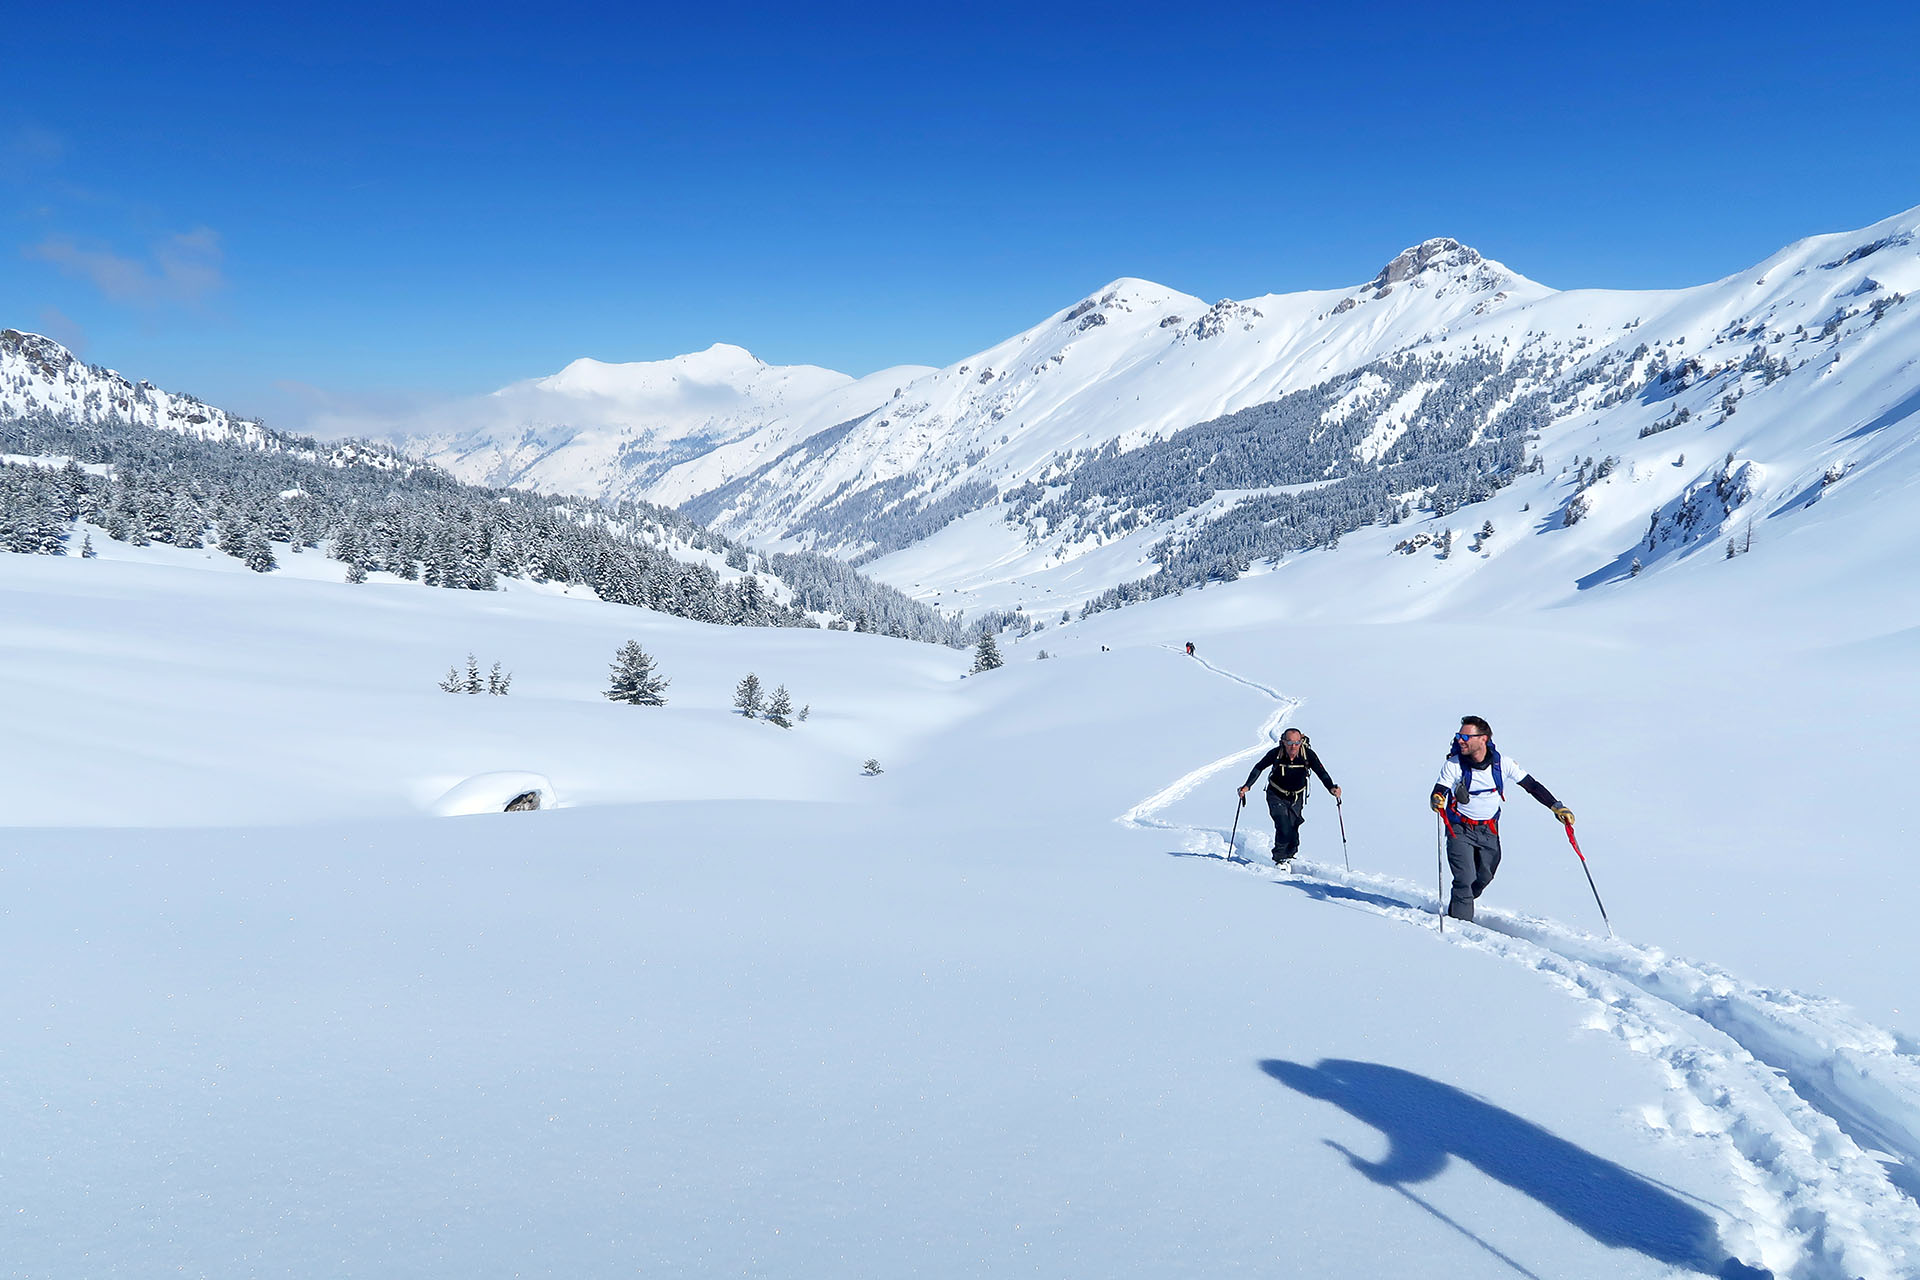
(1287,790)
(1467,797)
(1189,648)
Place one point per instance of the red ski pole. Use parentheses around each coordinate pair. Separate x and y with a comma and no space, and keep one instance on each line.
(1341,810)
(1590,884)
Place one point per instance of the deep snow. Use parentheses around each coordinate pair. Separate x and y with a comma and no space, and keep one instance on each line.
(1006,1008)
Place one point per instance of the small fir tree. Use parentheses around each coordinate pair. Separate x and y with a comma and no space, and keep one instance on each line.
(986,654)
(871,767)
(452,683)
(780,708)
(473,675)
(498,681)
(356,573)
(635,680)
(86,548)
(748,697)
(804,712)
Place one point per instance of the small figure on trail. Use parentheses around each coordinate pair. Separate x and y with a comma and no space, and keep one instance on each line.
(1287,790)
(1189,648)
(1467,797)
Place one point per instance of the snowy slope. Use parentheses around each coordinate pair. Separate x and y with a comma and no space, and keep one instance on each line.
(1007,1007)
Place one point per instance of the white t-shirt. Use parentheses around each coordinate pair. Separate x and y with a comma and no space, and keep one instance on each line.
(1483,802)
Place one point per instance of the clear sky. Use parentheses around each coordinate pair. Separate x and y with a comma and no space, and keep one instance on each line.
(348,207)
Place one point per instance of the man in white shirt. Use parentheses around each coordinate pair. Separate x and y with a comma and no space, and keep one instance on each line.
(1467,797)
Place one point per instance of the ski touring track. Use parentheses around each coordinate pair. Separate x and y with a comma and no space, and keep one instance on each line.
(1815,1111)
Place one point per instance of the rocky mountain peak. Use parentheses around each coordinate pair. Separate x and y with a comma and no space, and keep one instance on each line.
(1441,253)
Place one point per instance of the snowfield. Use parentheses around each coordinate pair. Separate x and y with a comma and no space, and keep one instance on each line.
(1011,1007)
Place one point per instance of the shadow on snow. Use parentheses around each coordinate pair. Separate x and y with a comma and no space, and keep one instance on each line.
(1426,1123)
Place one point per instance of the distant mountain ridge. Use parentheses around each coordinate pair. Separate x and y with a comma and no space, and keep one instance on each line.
(1140,440)
(86,453)
(38,375)
(1142,434)
(916,428)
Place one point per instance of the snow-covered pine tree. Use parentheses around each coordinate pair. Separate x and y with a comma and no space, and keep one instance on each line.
(986,654)
(498,682)
(452,683)
(871,767)
(473,675)
(86,548)
(780,707)
(805,711)
(259,556)
(748,697)
(356,572)
(635,680)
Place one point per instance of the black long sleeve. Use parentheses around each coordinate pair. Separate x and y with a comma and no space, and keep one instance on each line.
(1265,761)
(1535,788)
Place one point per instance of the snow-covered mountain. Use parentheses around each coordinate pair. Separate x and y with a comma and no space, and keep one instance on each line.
(1141,440)
(38,375)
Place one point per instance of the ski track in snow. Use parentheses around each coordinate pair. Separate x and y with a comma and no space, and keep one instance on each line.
(1816,1111)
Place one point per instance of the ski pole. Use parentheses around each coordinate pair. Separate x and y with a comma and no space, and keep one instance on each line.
(1342,811)
(1440,869)
(1236,828)
(1590,884)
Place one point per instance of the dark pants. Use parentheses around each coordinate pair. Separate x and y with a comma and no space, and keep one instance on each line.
(1288,811)
(1473,854)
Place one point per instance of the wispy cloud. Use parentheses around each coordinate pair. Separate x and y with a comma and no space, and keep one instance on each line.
(36,144)
(182,269)
(63,329)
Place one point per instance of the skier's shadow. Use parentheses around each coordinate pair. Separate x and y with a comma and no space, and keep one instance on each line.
(1425,1122)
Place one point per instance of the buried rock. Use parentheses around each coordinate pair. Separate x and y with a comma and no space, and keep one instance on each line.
(509,791)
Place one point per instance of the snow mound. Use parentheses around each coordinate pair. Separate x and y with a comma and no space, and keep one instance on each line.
(495,792)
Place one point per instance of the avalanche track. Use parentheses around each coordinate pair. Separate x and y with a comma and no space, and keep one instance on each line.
(1815,1111)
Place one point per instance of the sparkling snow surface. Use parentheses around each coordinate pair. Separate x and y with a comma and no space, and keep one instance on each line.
(1007,1008)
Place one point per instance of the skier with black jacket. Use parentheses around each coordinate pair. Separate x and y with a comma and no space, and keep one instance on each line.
(1290,760)
(1468,795)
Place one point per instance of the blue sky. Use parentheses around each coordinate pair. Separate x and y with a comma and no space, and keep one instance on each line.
(349,207)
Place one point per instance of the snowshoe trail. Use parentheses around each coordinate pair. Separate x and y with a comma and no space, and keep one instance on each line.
(1815,1110)
(1142,814)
